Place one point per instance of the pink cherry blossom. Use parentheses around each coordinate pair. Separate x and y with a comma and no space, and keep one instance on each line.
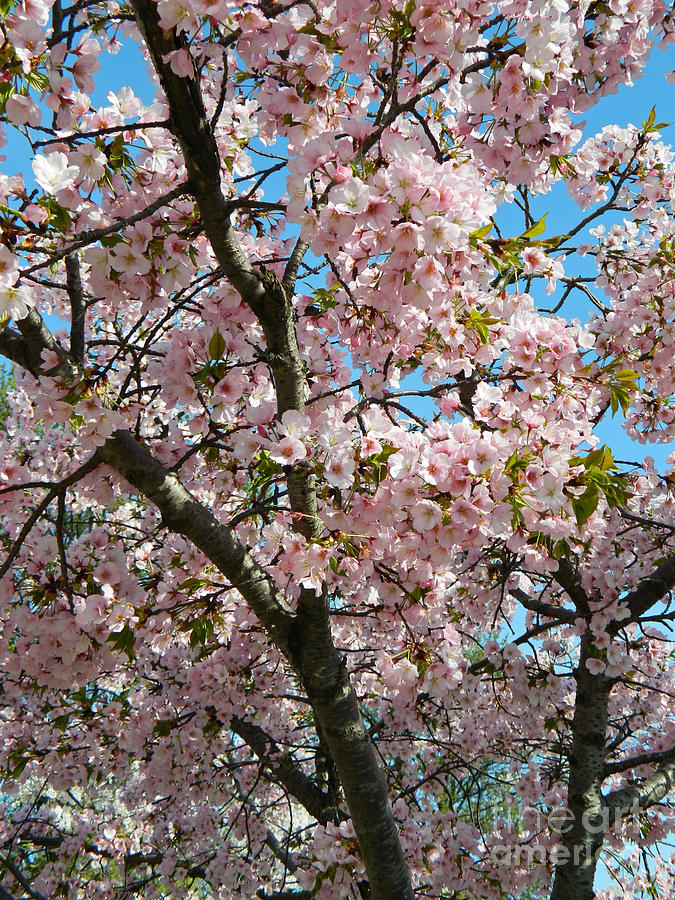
(324,572)
(22,110)
(289,450)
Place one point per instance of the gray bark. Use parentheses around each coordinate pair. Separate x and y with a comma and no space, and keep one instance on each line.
(651,589)
(283,770)
(585,833)
(642,794)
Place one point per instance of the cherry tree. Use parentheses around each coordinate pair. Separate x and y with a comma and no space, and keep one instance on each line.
(316,580)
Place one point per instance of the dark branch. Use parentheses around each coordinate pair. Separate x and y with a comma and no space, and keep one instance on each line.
(651,589)
(285,895)
(550,610)
(26,347)
(282,768)
(23,881)
(99,132)
(641,759)
(77,307)
(90,237)
(568,579)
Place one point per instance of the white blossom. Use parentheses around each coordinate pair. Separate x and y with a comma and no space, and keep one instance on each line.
(53,173)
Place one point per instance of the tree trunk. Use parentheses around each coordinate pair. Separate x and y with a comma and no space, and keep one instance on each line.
(586,826)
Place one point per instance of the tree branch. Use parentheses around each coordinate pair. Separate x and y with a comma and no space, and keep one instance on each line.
(293,264)
(642,794)
(99,132)
(298,785)
(23,881)
(188,122)
(282,853)
(550,610)
(26,347)
(74,287)
(651,589)
(91,237)
(283,895)
(641,759)
(305,639)
(269,300)
(183,514)
(583,839)
(55,492)
(568,579)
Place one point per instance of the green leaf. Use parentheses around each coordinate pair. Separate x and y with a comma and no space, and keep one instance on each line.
(517,463)
(6,91)
(561,549)
(619,396)
(650,119)
(191,584)
(335,566)
(384,454)
(201,630)
(626,375)
(59,216)
(539,539)
(162,728)
(482,232)
(517,518)
(480,322)
(536,229)
(203,374)
(585,505)
(112,240)
(19,765)
(606,463)
(600,458)
(124,641)
(615,490)
(37,80)
(323,300)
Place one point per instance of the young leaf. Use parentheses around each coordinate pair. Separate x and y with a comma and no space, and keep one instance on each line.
(124,640)
(536,229)
(585,505)
(482,232)
(216,345)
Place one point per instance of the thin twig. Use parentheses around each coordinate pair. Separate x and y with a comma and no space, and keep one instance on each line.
(79,473)
(111,129)
(90,237)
